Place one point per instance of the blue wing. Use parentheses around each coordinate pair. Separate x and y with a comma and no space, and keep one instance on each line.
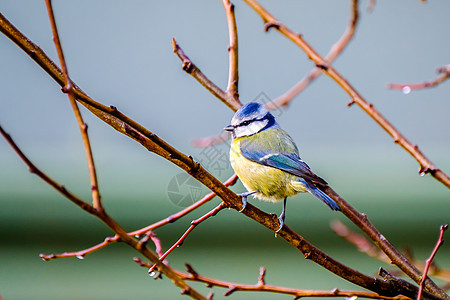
(281,153)
(278,150)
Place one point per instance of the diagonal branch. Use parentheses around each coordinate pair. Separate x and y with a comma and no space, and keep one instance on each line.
(426,165)
(334,52)
(194,224)
(189,67)
(68,88)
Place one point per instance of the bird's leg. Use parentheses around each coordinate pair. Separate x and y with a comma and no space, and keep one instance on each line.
(282,216)
(244,198)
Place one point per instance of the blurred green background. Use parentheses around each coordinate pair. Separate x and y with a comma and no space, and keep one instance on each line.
(119,53)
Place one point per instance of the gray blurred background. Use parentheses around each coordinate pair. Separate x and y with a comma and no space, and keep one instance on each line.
(119,53)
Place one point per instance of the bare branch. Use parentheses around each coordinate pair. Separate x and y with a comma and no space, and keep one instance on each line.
(233,77)
(408,87)
(82,253)
(261,286)
(190,68)
(426,166)
(68,88)
(430,259)
(194,223)
(334,52)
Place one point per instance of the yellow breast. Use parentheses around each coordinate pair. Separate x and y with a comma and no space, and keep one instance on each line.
(273,184)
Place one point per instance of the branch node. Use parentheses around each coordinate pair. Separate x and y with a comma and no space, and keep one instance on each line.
(185,291)
(187,66)
(322,66)
(269,25)
(262,275)
(191,270)
(230,291)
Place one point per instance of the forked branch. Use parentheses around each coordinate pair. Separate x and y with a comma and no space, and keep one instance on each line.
(68,88)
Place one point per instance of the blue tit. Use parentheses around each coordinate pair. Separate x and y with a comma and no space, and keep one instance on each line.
(266,160)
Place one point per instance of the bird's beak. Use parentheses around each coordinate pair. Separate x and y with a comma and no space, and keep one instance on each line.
(229,128)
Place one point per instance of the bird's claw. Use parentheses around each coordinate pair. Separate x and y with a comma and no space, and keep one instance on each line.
(244,199)
(244,202)
(281,221)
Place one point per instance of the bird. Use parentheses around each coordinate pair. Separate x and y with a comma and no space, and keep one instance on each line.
(267,161)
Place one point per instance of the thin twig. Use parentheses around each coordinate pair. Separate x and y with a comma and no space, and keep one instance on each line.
(426,165)
(82,253)
(444,72)
(68,88)
(194,223)
(233,77)
(430,259)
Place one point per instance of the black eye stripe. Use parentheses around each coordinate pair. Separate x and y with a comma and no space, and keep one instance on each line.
(245,123)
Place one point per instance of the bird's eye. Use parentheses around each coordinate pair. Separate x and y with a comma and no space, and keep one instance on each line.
(245,123)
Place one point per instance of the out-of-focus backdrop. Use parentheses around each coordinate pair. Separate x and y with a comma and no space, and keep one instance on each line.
(120,54)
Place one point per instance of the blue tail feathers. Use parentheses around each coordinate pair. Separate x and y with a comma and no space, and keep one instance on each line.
(323,197)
